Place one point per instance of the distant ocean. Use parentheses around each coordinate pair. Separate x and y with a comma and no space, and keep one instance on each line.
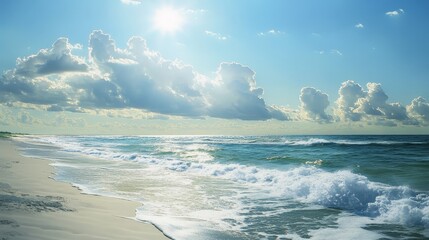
(255,187)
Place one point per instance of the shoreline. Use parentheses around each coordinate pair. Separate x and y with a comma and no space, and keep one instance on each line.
(35,206)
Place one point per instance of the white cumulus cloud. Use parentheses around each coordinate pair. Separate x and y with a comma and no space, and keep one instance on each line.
(357,104)
(136,77)
(235,94)
(133,77)
(40,78)
(314,104)
(419,109)
(349,93)
(395,12)
(53,60)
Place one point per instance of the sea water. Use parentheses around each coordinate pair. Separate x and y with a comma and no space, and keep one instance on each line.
(255,187)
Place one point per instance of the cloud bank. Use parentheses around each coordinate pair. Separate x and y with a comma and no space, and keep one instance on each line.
(136,77)
(370,105)
(133,77)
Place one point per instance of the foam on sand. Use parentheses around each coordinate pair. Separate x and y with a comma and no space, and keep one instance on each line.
(33,206)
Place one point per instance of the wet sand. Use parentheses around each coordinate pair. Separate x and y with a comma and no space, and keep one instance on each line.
(34,206)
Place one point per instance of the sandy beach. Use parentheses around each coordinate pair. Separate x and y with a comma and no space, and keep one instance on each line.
(34,206)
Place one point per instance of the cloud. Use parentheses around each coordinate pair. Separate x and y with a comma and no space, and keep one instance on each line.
(102,48)
(314,104)
(395,13)
(195,11)
(332,52)
(150,82)
(5,116)
(39,78)
(171,87)
(62,120)
(131,2)
(216,35)
(132,113)
(234,94)
(134,77)
(349,93)
(395,111)
(374,101)
(359,25)
(419,110)
(14,87)
(54,60)
(25,118)
(336,52)
(356,104)
(283,113)
(271,32)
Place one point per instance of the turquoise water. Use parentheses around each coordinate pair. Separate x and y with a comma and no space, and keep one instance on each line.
(255,187)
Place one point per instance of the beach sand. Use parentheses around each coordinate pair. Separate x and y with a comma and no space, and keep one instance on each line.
(34,206)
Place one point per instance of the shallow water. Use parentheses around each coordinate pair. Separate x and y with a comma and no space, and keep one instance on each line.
(255,187)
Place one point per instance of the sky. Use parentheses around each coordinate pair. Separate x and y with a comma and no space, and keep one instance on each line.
(214,67)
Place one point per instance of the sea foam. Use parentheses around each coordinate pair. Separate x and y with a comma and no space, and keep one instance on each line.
(306,183)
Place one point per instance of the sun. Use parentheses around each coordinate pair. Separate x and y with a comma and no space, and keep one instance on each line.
(168,20)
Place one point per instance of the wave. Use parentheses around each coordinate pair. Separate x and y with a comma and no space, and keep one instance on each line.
(322,141)
(341,190)
(308,184)
(356,193)
(207,142)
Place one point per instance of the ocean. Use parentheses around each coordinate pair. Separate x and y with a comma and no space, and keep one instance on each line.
(254,187)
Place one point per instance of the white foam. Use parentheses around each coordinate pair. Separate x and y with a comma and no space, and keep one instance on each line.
(349,227)
(321,141)
(341,189)
(308,184)
(411,211)
(309,142)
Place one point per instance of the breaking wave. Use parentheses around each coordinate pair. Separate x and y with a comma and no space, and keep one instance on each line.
(187,164)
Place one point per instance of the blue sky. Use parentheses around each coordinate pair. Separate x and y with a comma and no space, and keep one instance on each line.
(218,63)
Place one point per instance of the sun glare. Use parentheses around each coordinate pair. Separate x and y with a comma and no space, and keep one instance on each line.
(168,20)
